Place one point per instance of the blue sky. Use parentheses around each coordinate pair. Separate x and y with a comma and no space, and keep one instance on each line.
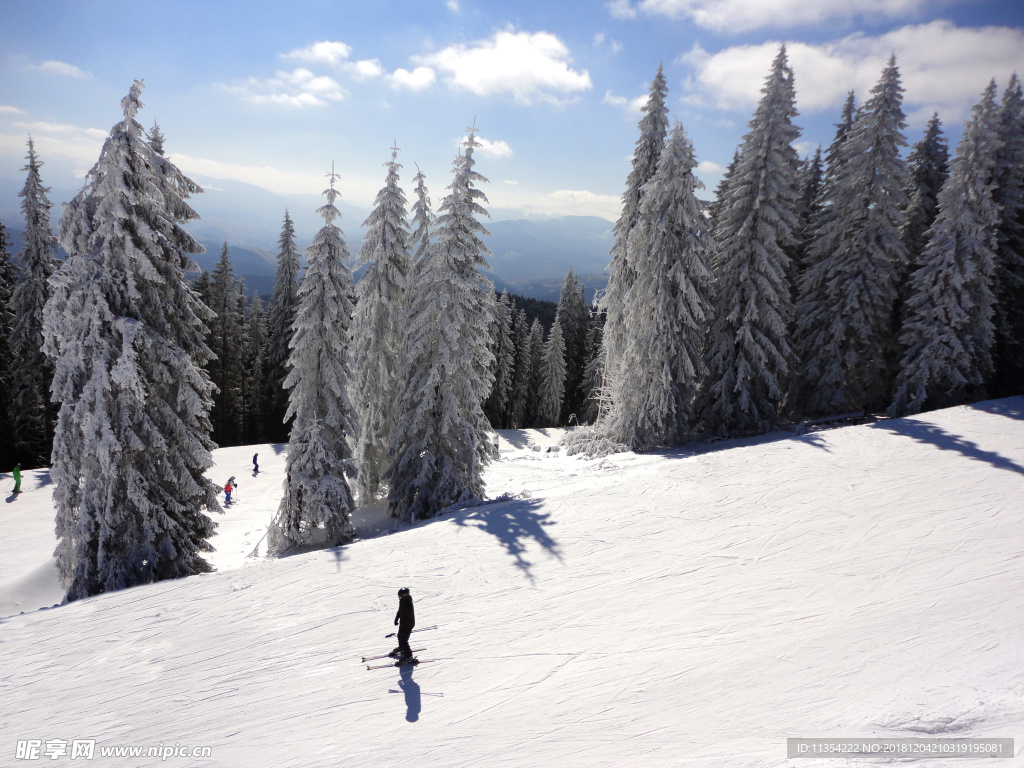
(271,93)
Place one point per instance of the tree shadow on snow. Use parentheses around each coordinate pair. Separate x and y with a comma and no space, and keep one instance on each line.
(513,523)
(923,432)
(1011,407)
(515,437)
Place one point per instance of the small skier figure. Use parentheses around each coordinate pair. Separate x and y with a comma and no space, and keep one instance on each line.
(406,620)
(17,478)
(228,488)
(255,464)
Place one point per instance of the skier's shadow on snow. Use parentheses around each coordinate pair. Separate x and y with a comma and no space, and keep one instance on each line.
(513,523)
(10,499)
(411,689)
(923,432)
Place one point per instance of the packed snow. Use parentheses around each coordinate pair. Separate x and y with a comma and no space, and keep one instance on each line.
(695,607)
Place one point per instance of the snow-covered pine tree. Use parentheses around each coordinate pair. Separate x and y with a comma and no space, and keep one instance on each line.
(521,372)
(669,306)
(422,220)
(127,338)
(316,508)
(156,139)
(846,321)
(531,418)
(722,192)
(748,356)
(378,331)
(440,445)
(948,332)
(31,416)
(226,340)
(653,130)
(592,373)
(1009,278)
(503,353)
(574,316)
(928,165)
(8,278)
(280,316)
(254,384)
(812,173)
(552,382)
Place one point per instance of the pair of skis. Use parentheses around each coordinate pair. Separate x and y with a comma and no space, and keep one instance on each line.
(400,663)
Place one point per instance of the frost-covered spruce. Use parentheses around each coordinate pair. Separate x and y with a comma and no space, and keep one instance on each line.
(574,315)
(31,373)
(378,332)
(280,316)
(948,331)
(846,310)
(127,338)
(552,381)
(668,306)
(8,277)
(224,294)
(503,353)
(316,508)
(928,165)
(1009,280)
(592,372)
(440,445)
(653,130)
(254,381)
(521,373)
(422,220)
(748,355)
(536,342)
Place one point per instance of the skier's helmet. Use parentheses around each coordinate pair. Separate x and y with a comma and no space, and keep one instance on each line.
(403,592)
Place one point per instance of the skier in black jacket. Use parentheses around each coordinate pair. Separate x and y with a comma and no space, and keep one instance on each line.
(406,620)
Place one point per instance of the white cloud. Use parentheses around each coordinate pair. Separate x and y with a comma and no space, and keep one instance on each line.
(453,6)
(272,178)
(575,202)
(745,15)
(528,66)
(631,107)
(416,80)
(511,182)
(364,69)
(298,88)
(493,149)
(62,69)
(9,110)
(53,141)
(943,68)
(621,9)
(328,52)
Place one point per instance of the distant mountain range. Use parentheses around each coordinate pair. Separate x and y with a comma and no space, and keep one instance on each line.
(529,257)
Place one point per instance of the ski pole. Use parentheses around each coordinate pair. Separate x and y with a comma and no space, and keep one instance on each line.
(418,629)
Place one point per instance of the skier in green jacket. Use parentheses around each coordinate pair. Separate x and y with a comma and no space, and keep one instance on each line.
(17,478)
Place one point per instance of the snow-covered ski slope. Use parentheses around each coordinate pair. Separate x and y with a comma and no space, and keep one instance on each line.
(672,609)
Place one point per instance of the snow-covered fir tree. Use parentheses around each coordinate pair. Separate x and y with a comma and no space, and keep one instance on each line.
(748,356)
(8,277)
(653,130)
(316,508)
(552,379)
(667,308)
(574,317)
(948,332)
(592,373)
(31,419)
(812,175)
(280,316)
(440,445)
(156,138)
(222,294)
(522,372)
(503,353)
(422,220)
(127,337)
(378,331)
(846,320)
(928,165)
(722,192)
(1009,277)
(531,418)
(253,380)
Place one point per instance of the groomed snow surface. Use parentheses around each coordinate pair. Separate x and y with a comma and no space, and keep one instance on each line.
(692,608)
